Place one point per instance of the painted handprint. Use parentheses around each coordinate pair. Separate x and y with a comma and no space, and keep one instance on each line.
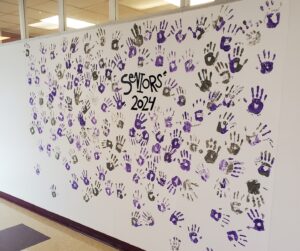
(159,59)
(260,134)
(151,171)
(210,54)
(149,28)
(220,217)
(235,59)
(148,219)
(185,160)
(271,9)
(258,98)
(112,162)
(228,35)
(222,187)
(265,163)
(203,172)
(188,61)
(224,16)
(237,238)
(115,43)
(254,196)
(266,61)
(224,72)
(252,32)
(137,199)
(162,33)
(212,151)
(176,218)
(174,184)
(225,123)
(120,189)
(136,220)
(143,156)
(235,143)
(177,31)
(231,94)
(172,59)
(201,27)
(205,80)
(73,45)
(101,34)
(257,219)
(163,205)
(187,190)
(175,244)
(231,167)
(194,233)
(150,192)
(138,39)
(237,203)
(143,57)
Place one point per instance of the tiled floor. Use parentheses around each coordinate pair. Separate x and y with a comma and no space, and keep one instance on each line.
(61,238)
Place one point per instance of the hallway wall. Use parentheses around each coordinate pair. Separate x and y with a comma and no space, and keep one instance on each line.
(20,156)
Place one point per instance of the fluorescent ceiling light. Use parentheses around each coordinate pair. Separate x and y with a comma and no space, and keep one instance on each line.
(3,38)
(197,2)
(51,23)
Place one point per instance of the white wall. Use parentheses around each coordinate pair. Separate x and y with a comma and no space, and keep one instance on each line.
(17,148)
(286,201)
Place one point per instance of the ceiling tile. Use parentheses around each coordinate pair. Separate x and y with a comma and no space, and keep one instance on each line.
(8,7)
(83,4)
(10,19)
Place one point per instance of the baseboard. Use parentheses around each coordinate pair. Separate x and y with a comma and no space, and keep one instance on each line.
(111,241)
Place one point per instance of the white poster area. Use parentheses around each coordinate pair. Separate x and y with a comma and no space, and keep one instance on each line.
(162,132)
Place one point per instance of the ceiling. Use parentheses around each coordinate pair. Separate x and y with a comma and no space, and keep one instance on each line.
(93,11)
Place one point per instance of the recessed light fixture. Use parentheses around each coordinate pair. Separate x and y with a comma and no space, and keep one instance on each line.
(51,23)
(3,38)
(197,2)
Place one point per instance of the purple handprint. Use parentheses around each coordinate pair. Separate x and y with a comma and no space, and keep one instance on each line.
(194,233)
(235,64)
(176,217)
(74,181)
(119,101)
(101,173)
(265,162)
(173,184)
(272,13)
(237,237)
(163,205)
(132,50)
(177,31)
(176,139)
(159,60)
(257,219)
(161,35)
(151,171)
(225,123)
(257,104)
(84,177)
(172,61)
(139,121)
(224,16)
(266,60)
(218,216)
(185,160)
(106,105)
(188,59)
